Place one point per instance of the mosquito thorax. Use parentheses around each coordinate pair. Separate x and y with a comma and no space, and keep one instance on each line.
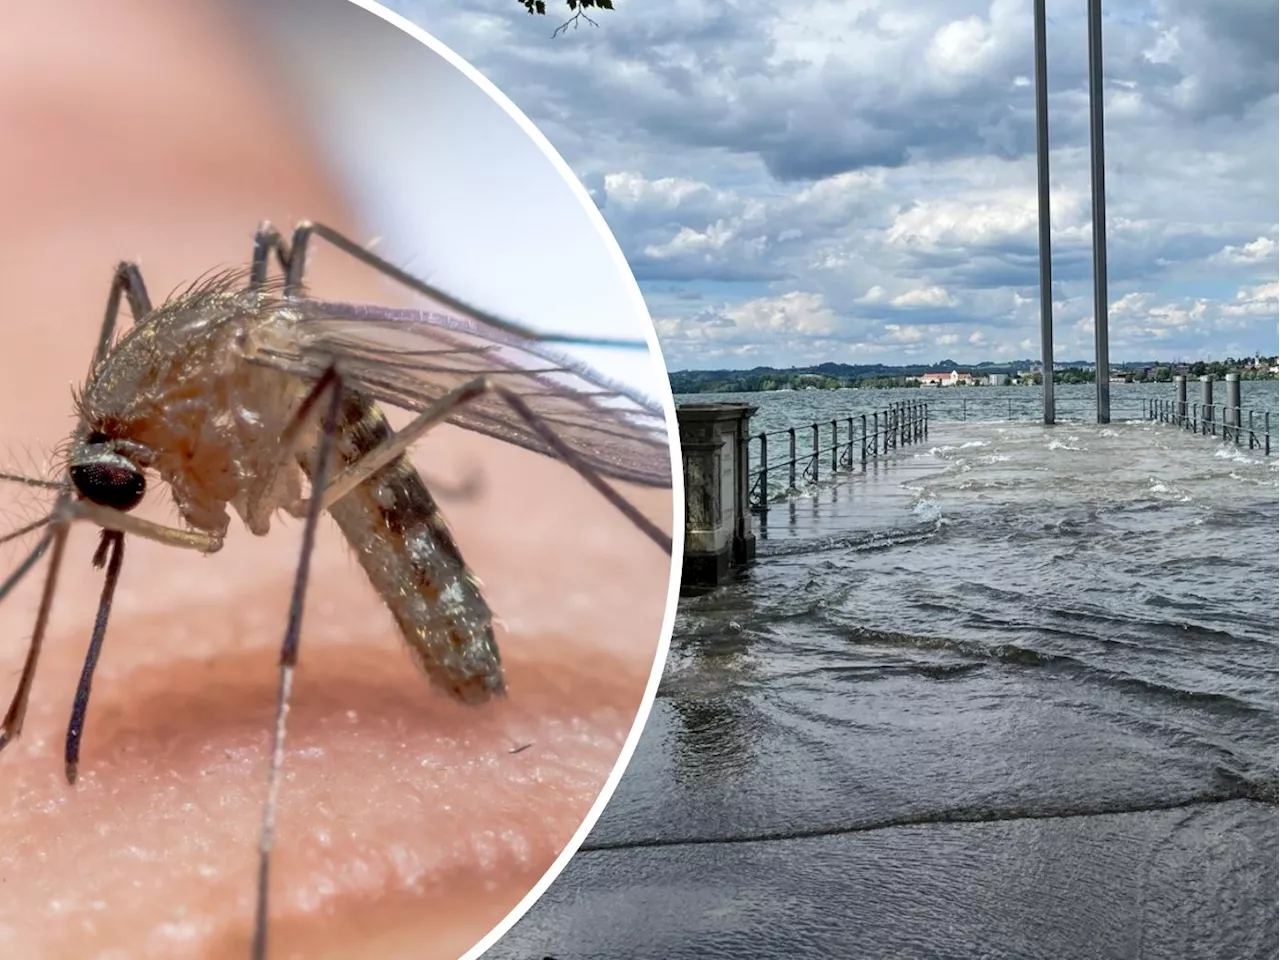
(104,476)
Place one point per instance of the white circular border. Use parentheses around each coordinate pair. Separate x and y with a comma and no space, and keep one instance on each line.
(673,440)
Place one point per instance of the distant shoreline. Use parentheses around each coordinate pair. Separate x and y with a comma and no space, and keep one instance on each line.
(948,376)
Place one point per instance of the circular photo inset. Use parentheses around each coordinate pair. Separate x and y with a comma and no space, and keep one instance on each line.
(336,499)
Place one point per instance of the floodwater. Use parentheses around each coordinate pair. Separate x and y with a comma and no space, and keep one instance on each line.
(1011,694)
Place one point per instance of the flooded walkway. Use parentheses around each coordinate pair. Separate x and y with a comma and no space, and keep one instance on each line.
(1014,694)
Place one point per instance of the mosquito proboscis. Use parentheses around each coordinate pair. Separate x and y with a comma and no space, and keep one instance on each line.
(299,429)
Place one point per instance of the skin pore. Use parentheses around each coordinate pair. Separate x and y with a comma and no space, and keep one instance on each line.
(407,826)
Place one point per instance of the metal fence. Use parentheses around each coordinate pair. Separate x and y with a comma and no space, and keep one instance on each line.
(1230,423)
(867,438)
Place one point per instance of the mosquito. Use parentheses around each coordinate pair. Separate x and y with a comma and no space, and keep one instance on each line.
(240,388)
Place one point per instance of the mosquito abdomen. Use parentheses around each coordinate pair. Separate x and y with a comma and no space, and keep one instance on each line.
(404,545)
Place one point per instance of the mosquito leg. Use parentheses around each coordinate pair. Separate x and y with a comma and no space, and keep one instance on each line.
(583,468)
(266,240)
(293,261)
(127,280)
(11,727)
(115,524)
(441,410)
(112,541)
(399,442)
(24,530)
(332,383)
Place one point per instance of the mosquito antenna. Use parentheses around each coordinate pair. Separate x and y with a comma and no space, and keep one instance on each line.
(289,649)
(12,724)
(112,541)
(31,481)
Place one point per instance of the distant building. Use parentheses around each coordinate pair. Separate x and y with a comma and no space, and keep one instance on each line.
(953,379)
(998,379)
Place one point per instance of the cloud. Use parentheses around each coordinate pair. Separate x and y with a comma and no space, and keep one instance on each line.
(799,182)
(1255,252)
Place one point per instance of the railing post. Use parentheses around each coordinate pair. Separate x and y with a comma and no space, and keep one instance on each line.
(791,435)
(887,430)
(864,441)
(835,446)
(964,408)
(926,421)
(1206,404)
(850,432)
(764,472)
(1266,437)
(1180,393)
(816,444)
(875,433)
(1251,434)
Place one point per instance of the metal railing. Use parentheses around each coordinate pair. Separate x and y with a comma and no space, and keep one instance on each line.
(1217,420)
(872,436)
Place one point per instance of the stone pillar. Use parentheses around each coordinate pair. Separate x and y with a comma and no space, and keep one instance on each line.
(718,535)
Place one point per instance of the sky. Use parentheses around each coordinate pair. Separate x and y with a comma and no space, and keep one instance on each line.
(850,181)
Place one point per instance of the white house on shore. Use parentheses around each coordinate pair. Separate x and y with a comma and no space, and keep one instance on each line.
(953,379)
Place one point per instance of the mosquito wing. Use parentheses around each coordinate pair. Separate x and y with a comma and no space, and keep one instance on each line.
(411,358)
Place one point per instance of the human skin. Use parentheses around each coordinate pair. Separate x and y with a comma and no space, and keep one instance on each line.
(407,824)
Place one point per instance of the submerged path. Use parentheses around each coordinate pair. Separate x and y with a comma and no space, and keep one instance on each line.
(1012,695)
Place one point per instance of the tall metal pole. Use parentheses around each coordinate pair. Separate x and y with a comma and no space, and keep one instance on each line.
(1102,366)
(1042,176)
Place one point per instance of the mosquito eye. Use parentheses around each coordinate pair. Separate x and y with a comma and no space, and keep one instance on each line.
(117,485)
